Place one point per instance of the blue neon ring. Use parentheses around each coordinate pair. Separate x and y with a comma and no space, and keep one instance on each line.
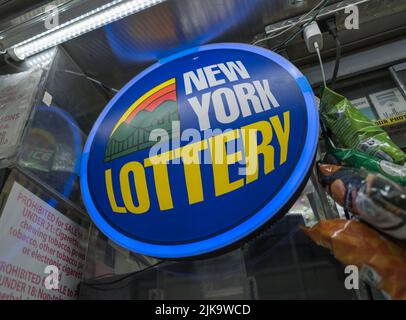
(247,227)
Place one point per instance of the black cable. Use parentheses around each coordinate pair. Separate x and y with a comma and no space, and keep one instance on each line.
(332,29)
(99,285)
(337,62)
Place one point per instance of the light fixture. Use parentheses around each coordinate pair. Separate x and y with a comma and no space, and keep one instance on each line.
(89,21)
(41,60)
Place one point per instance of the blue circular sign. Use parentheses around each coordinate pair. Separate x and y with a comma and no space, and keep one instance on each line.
(200,150)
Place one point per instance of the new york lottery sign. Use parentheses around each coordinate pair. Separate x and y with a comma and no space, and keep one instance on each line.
(200,151)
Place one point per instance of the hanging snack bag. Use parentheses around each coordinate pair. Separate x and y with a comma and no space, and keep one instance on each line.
(373,198)
(355,131)
(381,261)
(357,159)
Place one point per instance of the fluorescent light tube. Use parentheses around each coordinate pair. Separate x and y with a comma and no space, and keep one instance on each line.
(92,20)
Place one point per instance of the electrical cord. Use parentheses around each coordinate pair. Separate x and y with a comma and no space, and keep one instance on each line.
(334,33)
(284,44)
(99,286)
(337,62)
(323,74)
(291,27)
(331,26)
(106,90)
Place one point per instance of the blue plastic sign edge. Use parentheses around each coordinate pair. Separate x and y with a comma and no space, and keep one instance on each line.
(258,219)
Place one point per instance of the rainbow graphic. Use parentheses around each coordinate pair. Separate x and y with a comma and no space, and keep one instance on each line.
(155,109)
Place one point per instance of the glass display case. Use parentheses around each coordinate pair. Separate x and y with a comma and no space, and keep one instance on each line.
(49,108)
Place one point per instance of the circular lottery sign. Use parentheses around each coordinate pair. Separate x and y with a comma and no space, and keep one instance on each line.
(200,151)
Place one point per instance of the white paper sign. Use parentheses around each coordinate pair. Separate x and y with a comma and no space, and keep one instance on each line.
(362,104)
(16,98)
(388,103)
(33,236)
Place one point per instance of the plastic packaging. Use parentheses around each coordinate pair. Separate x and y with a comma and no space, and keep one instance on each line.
(355,131)
(372,197)
(357,159)
(380,261)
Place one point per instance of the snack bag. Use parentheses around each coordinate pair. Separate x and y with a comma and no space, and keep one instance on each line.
(382,262)
(357,159)
(373,198)
(355,131)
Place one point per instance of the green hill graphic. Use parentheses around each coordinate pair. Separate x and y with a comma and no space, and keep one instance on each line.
(134,136)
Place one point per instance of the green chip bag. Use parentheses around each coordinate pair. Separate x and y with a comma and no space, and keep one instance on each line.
(355,131)
(356,159)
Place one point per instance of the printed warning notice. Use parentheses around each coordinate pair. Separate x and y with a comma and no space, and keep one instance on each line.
(35,236)
(16,94)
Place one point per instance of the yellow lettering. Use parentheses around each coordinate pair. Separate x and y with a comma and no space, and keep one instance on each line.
(162,185)
(253,150)
(256,139)
(110,194)
(221,161)
(191,167)
(141,187)
(282,134)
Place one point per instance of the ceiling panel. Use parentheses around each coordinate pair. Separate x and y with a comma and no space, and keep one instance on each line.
(116,53)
